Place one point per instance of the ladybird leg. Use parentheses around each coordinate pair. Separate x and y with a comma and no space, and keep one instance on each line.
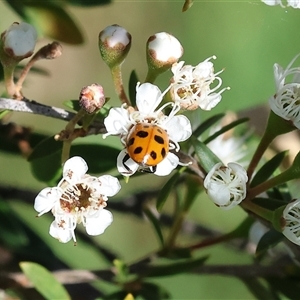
(151,169)
(124,160)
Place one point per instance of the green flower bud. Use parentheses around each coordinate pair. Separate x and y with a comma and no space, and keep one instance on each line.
(114,45)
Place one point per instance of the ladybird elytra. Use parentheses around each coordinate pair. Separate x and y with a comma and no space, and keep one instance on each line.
(147,144)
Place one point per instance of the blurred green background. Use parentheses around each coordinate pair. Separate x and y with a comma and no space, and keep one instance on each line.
(247,37)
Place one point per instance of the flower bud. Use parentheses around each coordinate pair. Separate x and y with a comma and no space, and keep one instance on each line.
(114,45)
(226,185)
(92,98)
(163,50)
(51,51)
(19,40)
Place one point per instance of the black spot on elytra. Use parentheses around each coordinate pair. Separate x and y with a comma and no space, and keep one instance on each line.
(153,155)
(131,142)
(138,150)
(159,139)
(142,134)
(163,152)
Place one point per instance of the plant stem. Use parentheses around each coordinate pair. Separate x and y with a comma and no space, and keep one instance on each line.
(118,83)
(69,130)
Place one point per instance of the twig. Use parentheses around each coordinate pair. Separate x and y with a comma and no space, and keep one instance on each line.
(36,108)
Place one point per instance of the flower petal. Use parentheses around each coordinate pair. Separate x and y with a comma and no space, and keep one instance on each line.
(109,185)
(98,223)
(131,165)
(46,199)
(117,121)
(64,235)
(74,168)
(179,128)
(148,97)
(165,167)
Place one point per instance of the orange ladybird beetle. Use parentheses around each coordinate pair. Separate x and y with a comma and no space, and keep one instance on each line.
(147,144)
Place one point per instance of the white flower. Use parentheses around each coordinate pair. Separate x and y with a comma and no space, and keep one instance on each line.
(124,120)
(190,86)
(285,103)
(291,215)
(229,147)
(19,40)
(78,198)
(226,186)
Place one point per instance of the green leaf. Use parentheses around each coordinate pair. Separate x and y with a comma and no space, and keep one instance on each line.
(155,222)
(175,268)
(268,241)
(165,191)
(133,80)
(100,158)
(46,147)
(50,19)
(44,281)
(72,104)
(257,288)
(268,203)
(48,168)
(88,2)
(152,291)
(242,230)
(207,159)
(207,124)
(268,169)
(226,128)
(285,285)
(12,235)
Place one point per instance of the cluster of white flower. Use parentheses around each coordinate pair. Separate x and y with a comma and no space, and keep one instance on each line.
(150,133)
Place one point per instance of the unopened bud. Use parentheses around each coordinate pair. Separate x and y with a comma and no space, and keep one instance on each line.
(19,40)
(163,50)
(114,44)
(50,51)
(92,98)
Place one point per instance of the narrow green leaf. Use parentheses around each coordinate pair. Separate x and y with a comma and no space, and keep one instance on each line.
(3,113)
(13,235)
(50,19)
(207,159)
(226,128)
(44,281)
(165,191)
(48,168)
(287,286)
(268,203)
(155,222)
(175,268)
(242,230)
(268,241)
(268,169)
(257,288)
(72,104)
(207,124)
(100,158)
(152,291)
(47,146)
(133,80)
